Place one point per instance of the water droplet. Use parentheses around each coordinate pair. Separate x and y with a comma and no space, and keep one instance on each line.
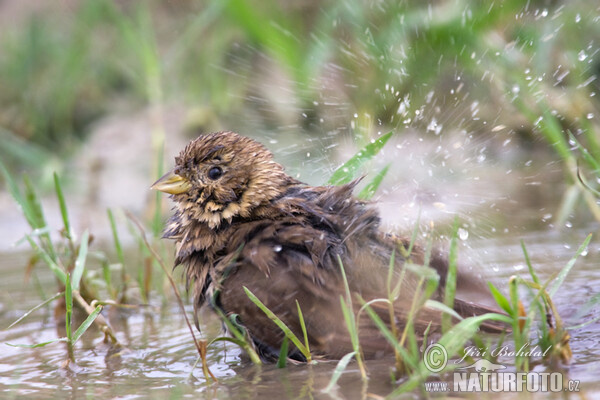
(434,126)
(590,116)
(584,252)
(518,267)
(546,217)
(463,234)
(569,224)
(516,89)
(577,18)
(581,56)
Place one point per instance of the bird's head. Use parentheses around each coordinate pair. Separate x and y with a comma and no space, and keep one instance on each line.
(223,175)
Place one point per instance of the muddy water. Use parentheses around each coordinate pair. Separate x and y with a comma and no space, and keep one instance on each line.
(157,356)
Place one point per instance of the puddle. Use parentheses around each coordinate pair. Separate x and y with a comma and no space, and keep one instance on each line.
(158,355)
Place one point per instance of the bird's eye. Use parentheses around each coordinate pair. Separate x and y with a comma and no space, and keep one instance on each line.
(215,173)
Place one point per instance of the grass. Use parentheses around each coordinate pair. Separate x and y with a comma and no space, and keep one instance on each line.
(552,336)
(59,78)
(68,259)
(68,265)
(147,54)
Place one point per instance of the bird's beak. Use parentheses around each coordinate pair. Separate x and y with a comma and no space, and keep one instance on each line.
(172,183)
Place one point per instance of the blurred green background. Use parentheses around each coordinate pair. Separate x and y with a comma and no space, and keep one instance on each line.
(315,72)
(493,107)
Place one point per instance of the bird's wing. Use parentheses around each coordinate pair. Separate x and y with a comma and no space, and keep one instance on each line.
(283,263)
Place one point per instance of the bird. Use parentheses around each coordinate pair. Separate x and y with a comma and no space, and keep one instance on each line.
(240,221)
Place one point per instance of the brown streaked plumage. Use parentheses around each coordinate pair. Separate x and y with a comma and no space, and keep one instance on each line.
(240,220)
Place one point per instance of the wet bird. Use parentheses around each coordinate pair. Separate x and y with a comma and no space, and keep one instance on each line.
(240,221)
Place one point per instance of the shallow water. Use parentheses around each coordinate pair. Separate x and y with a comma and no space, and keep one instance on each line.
(158,355)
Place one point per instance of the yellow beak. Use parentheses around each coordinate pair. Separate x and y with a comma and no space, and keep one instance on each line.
(172,183)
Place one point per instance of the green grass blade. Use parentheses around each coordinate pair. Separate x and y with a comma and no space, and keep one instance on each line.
(35,213)
(33,346)
(453,341)
(369,190)
(86,324)
(529,265)
(283,353)
(63,206)
(436,305)
(69,309)
(13,188)
(345,279)
(500,299)
(350,319)
(56,270)
(591,136)
(565,271)
(460,333)
(591,303)
(350,324)
(22,317)
(584,324)
(413,236)
(519,335)
(450,289)
(551,129)
(587,156)
(287,331)
(389,336)
(585,183)
(390,275)
(80,262)
(347,172)
(339,369)
(303,326)
(115,234)
(239,342)
(568,204)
